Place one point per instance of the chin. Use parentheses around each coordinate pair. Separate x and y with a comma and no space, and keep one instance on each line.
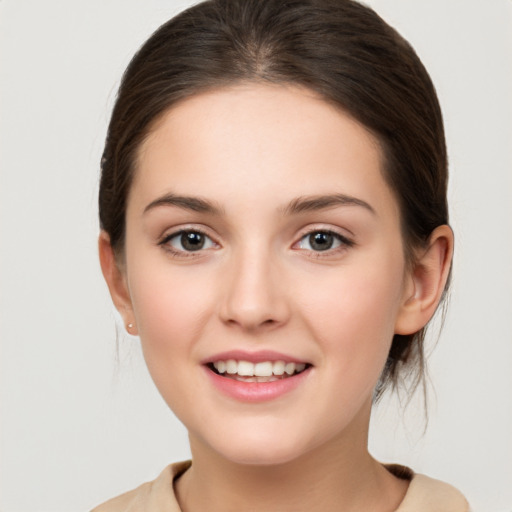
(261,448)
(261,457)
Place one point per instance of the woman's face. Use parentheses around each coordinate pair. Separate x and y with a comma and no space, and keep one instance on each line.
(262,238)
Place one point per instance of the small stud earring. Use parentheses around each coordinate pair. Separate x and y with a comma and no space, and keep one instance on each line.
(130,326)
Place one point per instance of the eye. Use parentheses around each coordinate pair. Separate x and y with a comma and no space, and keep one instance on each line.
(188,241)
(323,240)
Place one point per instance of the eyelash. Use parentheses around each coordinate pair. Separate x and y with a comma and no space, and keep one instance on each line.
(344,243)
(184,253)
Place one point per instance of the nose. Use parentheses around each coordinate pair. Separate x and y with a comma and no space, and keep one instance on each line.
(253,294)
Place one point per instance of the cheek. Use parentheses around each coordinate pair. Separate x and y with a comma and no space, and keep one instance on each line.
(170,308)
(353,318)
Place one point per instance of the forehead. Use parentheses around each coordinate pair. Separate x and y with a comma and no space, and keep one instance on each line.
(255,142)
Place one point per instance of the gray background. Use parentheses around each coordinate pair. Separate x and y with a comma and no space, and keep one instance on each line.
(79,423)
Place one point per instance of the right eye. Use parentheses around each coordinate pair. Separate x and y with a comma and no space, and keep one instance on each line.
(188,241)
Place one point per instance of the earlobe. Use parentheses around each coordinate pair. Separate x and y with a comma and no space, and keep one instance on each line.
(426,282)
(116,281)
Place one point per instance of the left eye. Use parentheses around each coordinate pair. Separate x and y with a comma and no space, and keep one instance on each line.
(322,241)
(189,241)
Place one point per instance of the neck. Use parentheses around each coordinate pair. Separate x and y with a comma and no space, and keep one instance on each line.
(338,476)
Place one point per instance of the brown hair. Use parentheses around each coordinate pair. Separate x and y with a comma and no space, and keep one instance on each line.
(338,48)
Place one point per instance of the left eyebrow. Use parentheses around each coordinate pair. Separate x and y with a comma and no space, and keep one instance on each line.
(314,203)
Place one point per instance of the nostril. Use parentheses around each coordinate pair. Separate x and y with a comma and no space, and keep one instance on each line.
(251,322)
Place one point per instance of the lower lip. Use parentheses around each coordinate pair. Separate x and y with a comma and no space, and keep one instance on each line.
(256,391)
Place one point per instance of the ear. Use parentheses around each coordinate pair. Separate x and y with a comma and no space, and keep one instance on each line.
(115,278)
(426,281)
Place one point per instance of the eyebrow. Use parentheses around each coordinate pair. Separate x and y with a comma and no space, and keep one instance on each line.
(195,204)
(298,205)
(322,202)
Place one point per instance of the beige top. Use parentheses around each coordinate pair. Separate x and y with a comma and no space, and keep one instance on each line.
(424,494)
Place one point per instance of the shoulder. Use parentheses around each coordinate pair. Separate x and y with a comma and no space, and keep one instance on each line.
(427,494)
(150,496)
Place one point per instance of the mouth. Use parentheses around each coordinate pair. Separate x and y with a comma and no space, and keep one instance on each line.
(263,371)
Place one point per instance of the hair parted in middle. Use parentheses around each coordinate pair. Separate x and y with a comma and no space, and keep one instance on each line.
(341,50)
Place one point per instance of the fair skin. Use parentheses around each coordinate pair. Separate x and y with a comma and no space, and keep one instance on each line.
(292,252)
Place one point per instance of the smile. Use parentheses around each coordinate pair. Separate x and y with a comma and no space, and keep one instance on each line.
(256,376)
(263,371)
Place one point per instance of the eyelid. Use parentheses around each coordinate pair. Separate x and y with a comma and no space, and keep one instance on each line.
(173,233)
(345,241)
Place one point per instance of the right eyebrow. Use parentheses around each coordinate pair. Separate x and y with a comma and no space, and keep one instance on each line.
(195,204)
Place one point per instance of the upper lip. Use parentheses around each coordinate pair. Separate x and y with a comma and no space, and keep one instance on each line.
(253,357)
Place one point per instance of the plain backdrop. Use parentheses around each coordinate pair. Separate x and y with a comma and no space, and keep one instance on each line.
(81,421)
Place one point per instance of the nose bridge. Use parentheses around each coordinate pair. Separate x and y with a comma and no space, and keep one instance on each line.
(253,295)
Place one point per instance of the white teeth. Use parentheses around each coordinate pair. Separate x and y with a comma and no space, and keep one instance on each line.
(289,368)
(245,369)
(278,368)
(220,366)
(263,370)
(231,366)
(247,379)
(267,379)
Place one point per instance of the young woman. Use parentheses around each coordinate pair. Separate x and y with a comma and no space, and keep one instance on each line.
(275,229)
